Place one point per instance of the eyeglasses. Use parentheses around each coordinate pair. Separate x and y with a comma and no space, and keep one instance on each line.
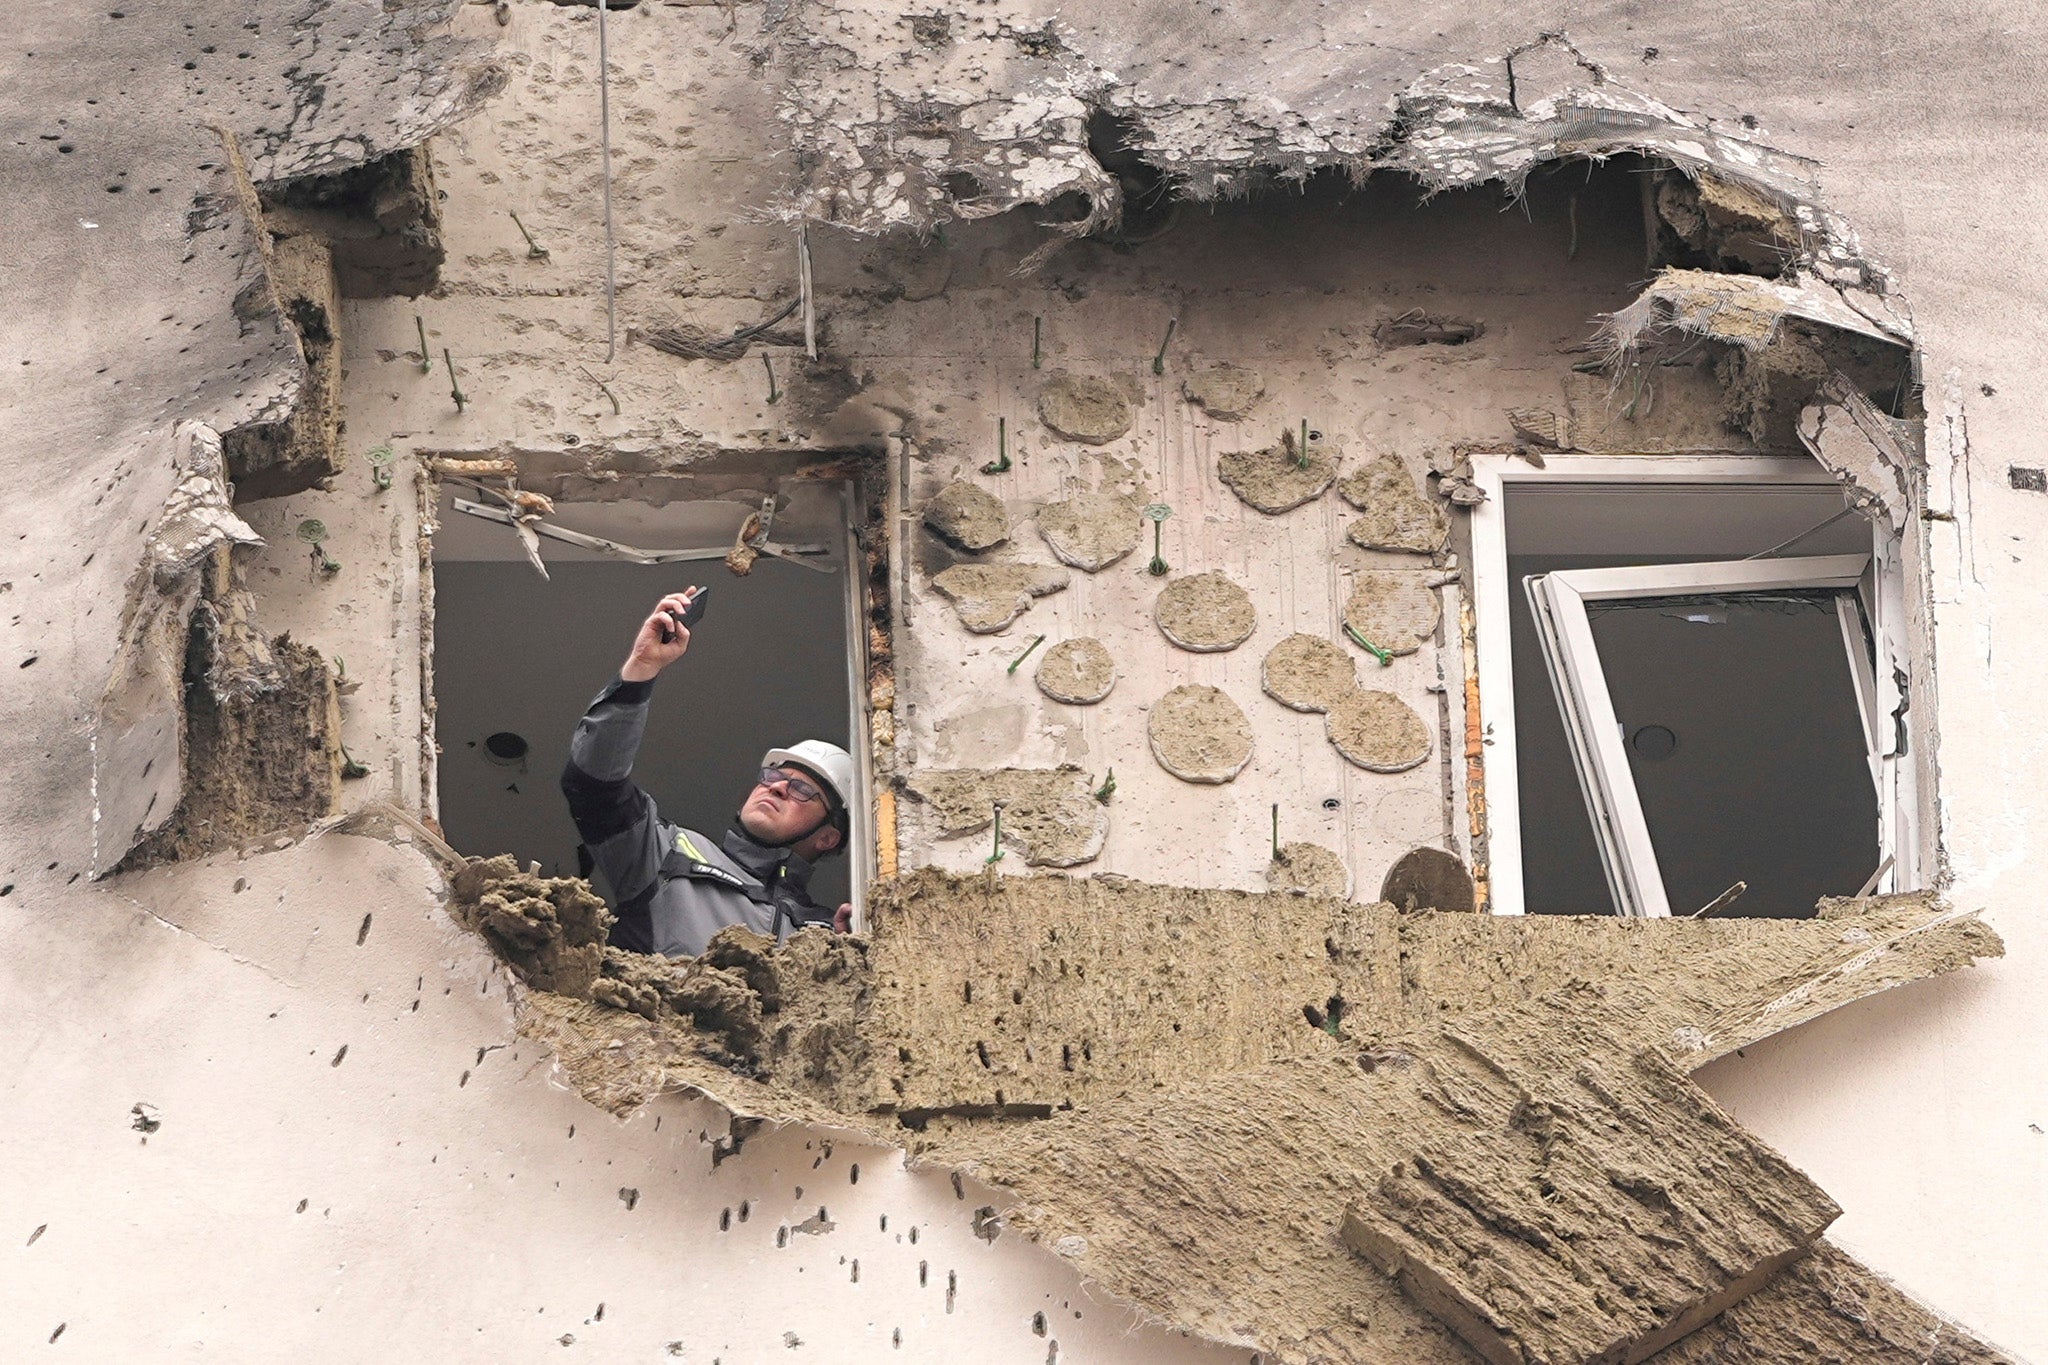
(798,787)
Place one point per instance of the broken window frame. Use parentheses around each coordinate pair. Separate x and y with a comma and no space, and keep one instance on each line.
(862,835)
(1901,747)
(1558,601)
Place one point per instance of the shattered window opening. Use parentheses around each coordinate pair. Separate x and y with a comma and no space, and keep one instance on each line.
(518,657)
(1703,538)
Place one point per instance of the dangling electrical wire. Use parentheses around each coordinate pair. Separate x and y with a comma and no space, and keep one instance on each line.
(604,107)
(1811,530)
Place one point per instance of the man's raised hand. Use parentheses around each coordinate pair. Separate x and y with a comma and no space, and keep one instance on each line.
(662,639)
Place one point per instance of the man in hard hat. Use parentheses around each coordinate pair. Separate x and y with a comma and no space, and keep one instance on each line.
(673,888)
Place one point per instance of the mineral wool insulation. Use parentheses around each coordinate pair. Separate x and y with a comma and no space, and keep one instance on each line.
(971,1054)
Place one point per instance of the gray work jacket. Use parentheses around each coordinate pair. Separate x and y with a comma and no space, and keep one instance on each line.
(672,888)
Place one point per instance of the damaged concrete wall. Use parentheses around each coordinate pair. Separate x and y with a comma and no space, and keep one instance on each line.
(928,346)
(1168,1086)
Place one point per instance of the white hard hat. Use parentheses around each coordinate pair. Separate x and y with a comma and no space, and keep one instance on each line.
(828,761)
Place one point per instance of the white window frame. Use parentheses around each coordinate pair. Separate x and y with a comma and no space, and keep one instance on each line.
(1883,592)
(1592,727)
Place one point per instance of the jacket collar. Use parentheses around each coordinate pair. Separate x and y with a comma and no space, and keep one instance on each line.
(770,865)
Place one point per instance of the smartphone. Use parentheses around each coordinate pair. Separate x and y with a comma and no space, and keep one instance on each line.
(689,616)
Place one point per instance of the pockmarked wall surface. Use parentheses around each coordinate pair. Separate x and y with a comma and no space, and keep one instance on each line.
(276,1099)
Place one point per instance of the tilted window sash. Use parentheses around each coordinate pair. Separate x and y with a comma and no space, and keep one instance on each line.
(1592,728)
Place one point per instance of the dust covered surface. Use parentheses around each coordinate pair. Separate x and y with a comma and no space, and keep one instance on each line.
(1226,392)
(1308,870)
(1091,531)
(967,515)
(1050,815)
(1395,609)
(1279,478)
(1220,1076)
(1199,734)
(1377,731)
(1087,408)
(988,597)
(1078,672)
(1205,612)
(1308,673)
(1397,516)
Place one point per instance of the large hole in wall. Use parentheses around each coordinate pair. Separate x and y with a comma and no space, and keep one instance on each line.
(517,658)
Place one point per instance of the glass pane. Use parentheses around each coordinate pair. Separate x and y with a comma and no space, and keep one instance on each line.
(1739,717)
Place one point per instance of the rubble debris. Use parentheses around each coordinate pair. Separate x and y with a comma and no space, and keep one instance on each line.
(1417,328)
(1429,879)
(1278,479)
(1539,1220)
(1396,609)
(1199,735)
(1731,225)
(968,516)
(1205,613)
(1078,672)
(1870,453)
(1739,309)
(1308,673)
(1087,409)
(1377,731)
(1175,1089)
(1226,392)
(1540,426)
(550,929)
(1397,515)
(1091,531)
(382,220)
(291,454)
(1308,870)
(988,597)
(1050,815)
